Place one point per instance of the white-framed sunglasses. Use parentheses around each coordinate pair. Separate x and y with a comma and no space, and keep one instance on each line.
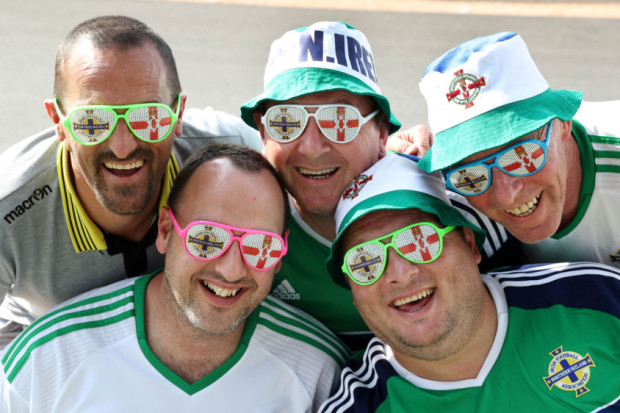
(338,122)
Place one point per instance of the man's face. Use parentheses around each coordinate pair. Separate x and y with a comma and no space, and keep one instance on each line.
(216,296)
(531,207)
(316,170)
(122,173)
(423,311)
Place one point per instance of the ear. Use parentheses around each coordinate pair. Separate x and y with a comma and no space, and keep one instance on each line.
(470,240)
(50,107)
(278,267)
(178,127)
(384,133)
(164,228)
(257,115)
(566,128)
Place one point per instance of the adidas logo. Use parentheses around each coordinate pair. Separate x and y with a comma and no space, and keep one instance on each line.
(285,291)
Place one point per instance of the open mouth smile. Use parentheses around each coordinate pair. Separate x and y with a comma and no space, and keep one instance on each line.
(220,292)
(322,174)
(525,209)
(415,301)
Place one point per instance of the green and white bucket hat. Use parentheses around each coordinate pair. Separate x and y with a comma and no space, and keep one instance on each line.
(322,57)
(486,93)
(393,183)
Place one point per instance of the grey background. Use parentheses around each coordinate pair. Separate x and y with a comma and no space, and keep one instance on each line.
(221,50)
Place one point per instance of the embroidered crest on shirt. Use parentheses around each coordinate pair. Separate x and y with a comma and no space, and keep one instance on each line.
(569,371)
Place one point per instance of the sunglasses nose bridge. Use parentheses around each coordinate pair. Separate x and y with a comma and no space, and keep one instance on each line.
(230,261)
(505,186)
(122,139)
(397,268)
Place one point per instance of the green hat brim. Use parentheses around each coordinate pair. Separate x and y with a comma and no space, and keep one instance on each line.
(396,200)
(498,127)
(299,82)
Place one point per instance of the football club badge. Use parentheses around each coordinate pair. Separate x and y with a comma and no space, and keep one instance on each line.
(204,242)
(464,88)
(569,371)
(285,125)
(90,126)
(366,262)
(356,186)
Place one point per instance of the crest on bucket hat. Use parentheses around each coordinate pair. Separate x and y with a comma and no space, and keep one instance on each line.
(322,57)
(485,93)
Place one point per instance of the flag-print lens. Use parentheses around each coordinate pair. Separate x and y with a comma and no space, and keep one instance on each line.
(339,123)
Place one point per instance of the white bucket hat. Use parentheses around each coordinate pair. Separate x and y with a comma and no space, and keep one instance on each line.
(486,93)
(322,57)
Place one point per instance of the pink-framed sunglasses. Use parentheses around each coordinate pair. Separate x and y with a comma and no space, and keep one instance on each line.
(206,240)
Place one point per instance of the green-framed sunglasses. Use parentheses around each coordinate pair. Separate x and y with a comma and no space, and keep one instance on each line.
(419,243)
(91,125)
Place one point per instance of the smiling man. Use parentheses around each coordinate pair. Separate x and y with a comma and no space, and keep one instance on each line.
(323,120)
(449,339)
(196,335)
(536,160)
(80,201)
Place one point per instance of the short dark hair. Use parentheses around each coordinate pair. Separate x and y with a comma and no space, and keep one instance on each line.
(242,157)
(120,32)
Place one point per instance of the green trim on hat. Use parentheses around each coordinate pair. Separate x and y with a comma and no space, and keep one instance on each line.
(303,81)
(498,127)
(397,200)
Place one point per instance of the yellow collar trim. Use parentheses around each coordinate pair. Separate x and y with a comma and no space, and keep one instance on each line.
(85,234)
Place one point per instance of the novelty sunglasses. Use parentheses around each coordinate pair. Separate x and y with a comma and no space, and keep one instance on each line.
(91,125)
(338,122)
(419,243)
(206,240)
(521,159)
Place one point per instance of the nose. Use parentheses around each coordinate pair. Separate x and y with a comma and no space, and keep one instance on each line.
(312,143)
(122,142)
(504,188)
(230,264)
(399,270)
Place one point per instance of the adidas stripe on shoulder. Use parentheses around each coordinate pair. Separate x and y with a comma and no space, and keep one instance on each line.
(98,308)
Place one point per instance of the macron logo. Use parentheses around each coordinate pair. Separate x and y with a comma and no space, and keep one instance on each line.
(285,291)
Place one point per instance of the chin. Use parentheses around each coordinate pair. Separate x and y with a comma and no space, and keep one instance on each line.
(534,235)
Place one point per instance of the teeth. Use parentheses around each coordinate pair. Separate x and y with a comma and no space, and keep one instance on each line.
(317,174)
(415,297)
(525,209)
(221,292)
(133,165)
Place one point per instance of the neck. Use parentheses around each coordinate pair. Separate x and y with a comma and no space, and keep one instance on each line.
(574,178)
(445,363)
(324,225)
(190,353)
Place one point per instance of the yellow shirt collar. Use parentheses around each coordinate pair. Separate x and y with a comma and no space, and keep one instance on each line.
(85,234)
